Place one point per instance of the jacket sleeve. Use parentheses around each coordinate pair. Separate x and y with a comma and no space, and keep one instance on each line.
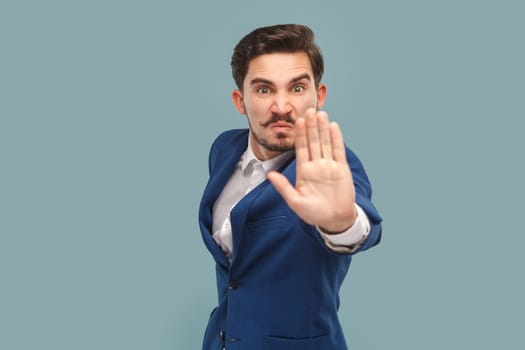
(363,198)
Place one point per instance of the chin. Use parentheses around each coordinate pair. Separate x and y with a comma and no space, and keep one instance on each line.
(281,146)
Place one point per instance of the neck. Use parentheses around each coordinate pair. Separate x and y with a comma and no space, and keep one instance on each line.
(260,152)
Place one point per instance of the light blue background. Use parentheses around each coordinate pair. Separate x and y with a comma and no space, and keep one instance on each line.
(107,112)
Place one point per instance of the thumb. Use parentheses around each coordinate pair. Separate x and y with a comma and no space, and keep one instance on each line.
(283,186)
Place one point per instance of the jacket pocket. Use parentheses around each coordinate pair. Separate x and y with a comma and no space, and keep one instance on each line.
(274,222)
(281,343)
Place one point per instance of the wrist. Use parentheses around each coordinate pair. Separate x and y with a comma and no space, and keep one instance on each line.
(340,226)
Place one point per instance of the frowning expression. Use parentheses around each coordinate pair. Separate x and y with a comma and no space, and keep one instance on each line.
(278,89)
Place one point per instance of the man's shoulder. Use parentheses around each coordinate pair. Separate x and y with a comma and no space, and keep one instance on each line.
(229,144)
(231,138)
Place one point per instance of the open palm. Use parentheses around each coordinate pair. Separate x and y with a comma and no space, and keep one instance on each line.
(324,192)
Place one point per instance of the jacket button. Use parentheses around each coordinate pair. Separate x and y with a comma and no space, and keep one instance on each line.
(221,335)
(233,285)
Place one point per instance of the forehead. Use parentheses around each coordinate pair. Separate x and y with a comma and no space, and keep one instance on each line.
(279,67)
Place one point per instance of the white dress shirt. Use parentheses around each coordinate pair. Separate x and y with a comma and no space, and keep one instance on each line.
(248,174)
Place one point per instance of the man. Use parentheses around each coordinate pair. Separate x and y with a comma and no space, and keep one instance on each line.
(286,205)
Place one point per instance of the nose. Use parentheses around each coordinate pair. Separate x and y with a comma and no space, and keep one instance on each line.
(281,104)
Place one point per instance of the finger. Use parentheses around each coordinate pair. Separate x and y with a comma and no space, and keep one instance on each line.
(338,145)
(284,187)
(312,132)
(301,143)
(324,135)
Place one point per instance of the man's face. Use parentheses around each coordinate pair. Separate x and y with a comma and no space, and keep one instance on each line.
(278,89)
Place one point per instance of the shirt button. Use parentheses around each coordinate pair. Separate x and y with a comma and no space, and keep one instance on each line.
(233,285)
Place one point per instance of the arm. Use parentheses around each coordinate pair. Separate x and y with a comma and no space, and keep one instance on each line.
(326,192)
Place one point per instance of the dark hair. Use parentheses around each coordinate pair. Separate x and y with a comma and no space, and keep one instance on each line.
(277,38)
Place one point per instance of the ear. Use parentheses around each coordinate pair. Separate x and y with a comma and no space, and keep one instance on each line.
(238,101)
(321,95)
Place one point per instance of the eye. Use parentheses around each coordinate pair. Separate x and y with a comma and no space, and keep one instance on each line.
(263,90)
(298,88)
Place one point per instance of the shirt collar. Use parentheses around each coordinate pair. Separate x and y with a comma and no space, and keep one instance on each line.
(268,165)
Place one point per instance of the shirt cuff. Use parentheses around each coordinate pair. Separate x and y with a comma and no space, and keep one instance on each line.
(350,240)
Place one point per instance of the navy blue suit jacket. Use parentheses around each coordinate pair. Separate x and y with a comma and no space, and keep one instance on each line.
(281,289)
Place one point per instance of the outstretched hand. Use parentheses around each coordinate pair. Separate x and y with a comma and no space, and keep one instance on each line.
(324,192)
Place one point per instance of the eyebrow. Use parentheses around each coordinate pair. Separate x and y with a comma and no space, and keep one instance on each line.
(268,82)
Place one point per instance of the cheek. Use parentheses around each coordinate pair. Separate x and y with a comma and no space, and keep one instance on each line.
(302,111)
(305,103)
(257,109)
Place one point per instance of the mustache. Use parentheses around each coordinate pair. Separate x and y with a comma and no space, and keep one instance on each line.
(277,118)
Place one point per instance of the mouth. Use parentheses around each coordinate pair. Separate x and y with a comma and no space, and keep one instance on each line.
(281,125)
(279,121)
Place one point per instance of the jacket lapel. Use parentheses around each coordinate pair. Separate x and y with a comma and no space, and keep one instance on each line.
(240,212)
